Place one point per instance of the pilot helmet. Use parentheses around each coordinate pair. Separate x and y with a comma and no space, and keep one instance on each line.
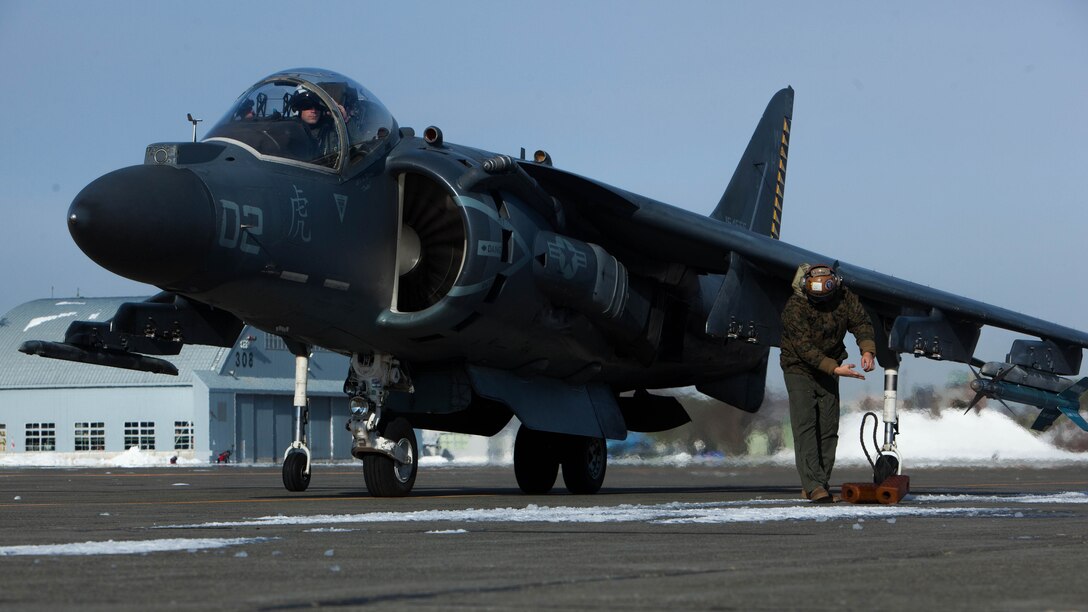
(821,283)
(305,99)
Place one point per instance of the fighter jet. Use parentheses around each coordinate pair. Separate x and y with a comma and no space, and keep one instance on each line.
(470,287)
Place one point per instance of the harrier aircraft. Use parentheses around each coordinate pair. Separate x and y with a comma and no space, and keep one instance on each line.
(469,287)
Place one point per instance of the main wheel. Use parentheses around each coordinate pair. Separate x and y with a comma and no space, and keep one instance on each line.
(295,477)
(536,460)
(584,464)
(388,477)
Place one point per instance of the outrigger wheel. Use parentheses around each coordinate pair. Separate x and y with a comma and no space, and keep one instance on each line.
(886,465)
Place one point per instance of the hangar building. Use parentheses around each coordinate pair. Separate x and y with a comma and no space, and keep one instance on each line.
(238,398)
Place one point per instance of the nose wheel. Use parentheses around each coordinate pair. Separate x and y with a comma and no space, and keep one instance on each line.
(296,470)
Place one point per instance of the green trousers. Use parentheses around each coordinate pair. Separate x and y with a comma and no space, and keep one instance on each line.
(814,417)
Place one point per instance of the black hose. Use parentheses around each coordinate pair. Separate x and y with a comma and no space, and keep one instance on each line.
(861,435)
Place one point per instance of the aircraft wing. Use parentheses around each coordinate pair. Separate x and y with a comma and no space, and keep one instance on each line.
(914,318)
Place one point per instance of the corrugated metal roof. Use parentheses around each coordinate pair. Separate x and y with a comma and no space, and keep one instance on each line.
(48,320)
(251,384)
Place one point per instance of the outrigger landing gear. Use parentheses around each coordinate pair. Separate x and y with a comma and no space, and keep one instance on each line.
(386,445)
(888,463)
(889,486)
(296,459)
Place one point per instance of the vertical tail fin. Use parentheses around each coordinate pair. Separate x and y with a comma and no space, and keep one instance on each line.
(753,198)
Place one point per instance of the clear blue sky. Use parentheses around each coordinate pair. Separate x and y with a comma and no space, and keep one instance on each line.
(940,142)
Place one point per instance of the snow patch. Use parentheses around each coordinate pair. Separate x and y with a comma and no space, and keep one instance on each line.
(1068,497)
(675,513)
(135,547)
(132,458)
(36,321)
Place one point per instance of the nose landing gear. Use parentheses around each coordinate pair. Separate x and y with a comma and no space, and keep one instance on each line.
(296,459)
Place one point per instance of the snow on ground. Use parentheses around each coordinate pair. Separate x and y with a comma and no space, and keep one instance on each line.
(674,513)
(129,547)
(132,458)
(989,437)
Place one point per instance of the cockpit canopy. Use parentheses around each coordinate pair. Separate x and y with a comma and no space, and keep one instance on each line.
(310,116)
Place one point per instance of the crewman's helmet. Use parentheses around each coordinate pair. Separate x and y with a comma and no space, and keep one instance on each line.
(821,283)
(305,99)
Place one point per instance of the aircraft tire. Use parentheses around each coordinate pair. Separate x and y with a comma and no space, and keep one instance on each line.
(386,477)
(584,465)
(536,461)
(886,465)
(295,477)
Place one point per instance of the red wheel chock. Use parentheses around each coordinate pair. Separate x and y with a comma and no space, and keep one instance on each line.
(893,489)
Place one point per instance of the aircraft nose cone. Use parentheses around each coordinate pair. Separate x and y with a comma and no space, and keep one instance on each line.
(153,224)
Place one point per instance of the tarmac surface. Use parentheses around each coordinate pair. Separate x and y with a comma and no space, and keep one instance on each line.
(690,538)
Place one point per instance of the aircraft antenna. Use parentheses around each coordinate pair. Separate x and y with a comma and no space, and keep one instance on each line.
(194,122)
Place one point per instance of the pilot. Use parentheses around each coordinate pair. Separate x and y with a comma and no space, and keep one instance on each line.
(814,325)
(319,125)
(244,111)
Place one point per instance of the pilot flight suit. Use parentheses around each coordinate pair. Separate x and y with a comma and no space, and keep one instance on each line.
(812,347)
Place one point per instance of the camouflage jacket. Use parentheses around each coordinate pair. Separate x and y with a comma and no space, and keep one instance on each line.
(812,334)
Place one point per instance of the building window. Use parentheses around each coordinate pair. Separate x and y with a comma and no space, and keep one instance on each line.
(41,437)
(3,437)
(141,434)
(183,435)
(90,436)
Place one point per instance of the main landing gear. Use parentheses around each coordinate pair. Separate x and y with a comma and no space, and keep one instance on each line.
(387,445)
(538,455)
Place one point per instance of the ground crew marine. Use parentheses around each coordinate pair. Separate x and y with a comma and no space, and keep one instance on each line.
(814,324)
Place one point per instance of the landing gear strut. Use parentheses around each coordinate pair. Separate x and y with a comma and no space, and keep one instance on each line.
(887,463)
(889,486)
(386,445)
(296,459)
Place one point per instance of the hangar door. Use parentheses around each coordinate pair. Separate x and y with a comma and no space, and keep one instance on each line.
(265,428)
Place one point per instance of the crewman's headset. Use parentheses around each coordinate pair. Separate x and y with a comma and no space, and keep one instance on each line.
(821,282)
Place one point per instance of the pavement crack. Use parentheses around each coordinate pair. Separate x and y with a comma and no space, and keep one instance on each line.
(394,598)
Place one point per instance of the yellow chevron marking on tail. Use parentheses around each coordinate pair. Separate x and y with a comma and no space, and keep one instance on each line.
(780,186)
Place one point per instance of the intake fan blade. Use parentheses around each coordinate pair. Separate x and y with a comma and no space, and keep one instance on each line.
(430,212)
